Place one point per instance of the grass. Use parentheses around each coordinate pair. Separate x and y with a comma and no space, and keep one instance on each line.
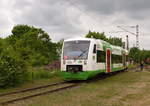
(132,65)
(124,89)
(43,74)
(37,78)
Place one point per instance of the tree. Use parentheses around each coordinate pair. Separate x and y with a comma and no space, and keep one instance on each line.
(59,46)
(138,55)
(135,54)
(96,35)
(33,44)
(19,30)
(112,40)
(13,70)
(115,41)
(25,48)
(145,56)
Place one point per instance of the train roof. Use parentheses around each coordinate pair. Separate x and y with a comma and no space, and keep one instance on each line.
(79,38)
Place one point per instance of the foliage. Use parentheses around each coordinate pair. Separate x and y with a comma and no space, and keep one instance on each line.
(13,71)
(26,47)
(33,45)
(19,30)
(145,56)
(135,54)
(96,35)
(41,73)
(115,41)
(138,55)
(112,40)
(59,46)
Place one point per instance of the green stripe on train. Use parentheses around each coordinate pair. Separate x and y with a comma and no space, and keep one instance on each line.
(80,75)
(117,69)
(85,74)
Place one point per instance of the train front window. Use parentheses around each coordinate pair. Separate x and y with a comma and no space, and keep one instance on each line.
(76,49)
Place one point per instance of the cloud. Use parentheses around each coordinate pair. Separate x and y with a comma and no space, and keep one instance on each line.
(5,18)
(70,18)
(137,9)
(50,15)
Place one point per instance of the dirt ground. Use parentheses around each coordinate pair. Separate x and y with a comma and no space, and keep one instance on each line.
(131,88)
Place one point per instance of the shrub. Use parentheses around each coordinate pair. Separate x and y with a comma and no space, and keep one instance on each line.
(13,70)
(40,73)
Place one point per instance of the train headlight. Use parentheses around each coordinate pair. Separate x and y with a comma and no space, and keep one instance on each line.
(85,62)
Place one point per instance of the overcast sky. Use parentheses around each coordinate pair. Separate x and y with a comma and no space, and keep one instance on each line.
(72,18)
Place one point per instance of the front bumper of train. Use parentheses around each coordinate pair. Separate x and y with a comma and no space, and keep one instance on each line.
(84,75)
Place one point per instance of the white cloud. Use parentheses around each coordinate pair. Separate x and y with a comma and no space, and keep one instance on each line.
(63,19)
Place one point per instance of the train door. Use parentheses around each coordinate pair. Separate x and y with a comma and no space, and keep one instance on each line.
(108,60)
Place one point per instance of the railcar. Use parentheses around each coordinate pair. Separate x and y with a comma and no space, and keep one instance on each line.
(83,58)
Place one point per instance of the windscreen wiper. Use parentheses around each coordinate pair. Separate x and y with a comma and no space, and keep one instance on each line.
(83,53)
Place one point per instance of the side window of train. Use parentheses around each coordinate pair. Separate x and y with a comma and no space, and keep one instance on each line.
(116,58)
(101,56)
(94,49)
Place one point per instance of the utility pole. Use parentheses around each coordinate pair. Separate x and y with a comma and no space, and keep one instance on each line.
(137,36)
(127,42)
(123,46)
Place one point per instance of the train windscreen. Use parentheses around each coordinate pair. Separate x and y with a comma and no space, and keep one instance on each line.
(74,50)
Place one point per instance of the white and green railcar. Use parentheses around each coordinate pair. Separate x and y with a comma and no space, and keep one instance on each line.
(83,58)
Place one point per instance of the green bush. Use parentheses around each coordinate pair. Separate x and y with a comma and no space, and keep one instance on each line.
(33,45)
(42,74)
(26,47)
(13,70)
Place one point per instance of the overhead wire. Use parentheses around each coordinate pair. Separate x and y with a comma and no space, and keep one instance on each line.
(94,19)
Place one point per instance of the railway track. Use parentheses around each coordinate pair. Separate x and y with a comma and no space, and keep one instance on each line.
(47,89)
(68,85)
(31,89)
